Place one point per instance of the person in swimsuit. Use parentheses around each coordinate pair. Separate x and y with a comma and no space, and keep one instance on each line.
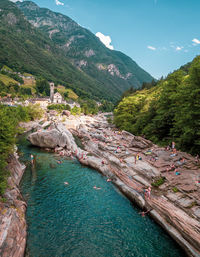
(32,159)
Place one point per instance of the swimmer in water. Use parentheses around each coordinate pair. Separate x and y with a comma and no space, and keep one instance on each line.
(66,183)
(97,188)
(143,213)
(108,180)
(32,159)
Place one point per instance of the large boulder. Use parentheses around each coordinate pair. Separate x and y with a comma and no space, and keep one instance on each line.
(66,113)
(47,139)
(57,137)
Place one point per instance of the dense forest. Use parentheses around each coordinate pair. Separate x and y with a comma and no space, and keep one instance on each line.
(10,117)
(167,110)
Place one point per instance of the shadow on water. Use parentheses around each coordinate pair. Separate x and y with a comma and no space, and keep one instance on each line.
(75,219)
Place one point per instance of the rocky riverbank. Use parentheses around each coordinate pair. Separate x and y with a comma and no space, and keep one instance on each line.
(133,163)
(12,213)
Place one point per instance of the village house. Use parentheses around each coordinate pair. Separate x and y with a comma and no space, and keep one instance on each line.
(7,101)
(43,102)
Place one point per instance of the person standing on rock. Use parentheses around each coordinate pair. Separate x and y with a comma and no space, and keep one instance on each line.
(173,145)
(149,192)
(197,158)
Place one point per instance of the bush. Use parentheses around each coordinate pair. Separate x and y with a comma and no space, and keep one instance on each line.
(76,111)
(175,189)
(35,111)
(158,182)
(59,107)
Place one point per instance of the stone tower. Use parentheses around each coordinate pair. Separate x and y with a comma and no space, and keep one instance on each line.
(51,91)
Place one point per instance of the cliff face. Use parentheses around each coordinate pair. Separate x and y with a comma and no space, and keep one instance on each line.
(12,214)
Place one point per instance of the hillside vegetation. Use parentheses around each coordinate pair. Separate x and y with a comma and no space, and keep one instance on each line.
(168,111)
(10,117)
(7,80)
(42,52)
(26,49)
(112,69)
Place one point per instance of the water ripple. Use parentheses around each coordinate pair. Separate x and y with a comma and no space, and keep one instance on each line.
(78,221)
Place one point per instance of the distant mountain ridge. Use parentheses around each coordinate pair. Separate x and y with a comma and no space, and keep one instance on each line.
(84,49)
(57,48)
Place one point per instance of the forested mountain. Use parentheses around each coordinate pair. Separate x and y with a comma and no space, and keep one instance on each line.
(112,71)
(168,111)
(26,49)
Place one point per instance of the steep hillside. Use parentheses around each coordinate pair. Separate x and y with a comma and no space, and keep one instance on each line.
(168,111)
(26,49)
(112,69)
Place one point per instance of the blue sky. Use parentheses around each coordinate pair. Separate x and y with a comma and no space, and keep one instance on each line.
(160,35)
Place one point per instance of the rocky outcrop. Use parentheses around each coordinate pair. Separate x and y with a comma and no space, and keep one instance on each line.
(58,136)
(113,153)
(174,204)
(48,139)
(140,143)
(12,214)
(67,113)
(27,126)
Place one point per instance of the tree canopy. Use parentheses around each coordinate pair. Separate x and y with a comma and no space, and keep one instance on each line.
(168,111)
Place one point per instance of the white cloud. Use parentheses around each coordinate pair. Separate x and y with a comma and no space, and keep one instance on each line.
(151,48)
(179,48)
(16,1)
(106,40)
(196,41)
(58,2)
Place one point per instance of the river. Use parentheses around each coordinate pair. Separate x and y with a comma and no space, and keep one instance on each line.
(76,220)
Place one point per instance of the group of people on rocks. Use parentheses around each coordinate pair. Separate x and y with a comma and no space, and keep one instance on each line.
(181,161)
(137,157)
(147,192)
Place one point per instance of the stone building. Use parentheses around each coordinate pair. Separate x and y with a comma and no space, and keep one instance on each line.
(51,91)
(43,102)
(57,99)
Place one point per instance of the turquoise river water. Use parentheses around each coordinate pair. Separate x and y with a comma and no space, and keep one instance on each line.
(75,220)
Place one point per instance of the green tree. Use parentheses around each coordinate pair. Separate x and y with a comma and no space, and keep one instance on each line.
(43,87)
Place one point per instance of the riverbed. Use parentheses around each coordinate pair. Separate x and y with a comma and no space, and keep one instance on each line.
(75,219)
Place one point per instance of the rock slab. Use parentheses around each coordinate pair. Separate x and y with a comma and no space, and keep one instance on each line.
(12,215)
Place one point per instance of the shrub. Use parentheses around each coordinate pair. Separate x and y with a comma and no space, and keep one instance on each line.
(158,182)
(175,189)
(75,110)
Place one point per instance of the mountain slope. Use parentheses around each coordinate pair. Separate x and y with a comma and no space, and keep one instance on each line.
(85,51)
(166,112)
(26,49)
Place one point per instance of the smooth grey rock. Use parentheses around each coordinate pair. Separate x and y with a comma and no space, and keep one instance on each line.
(185,202)
(175,234)
(130,193)
(12,215)
(196,211)
(45,139)
(141,180)
(174,196)
(60,136)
